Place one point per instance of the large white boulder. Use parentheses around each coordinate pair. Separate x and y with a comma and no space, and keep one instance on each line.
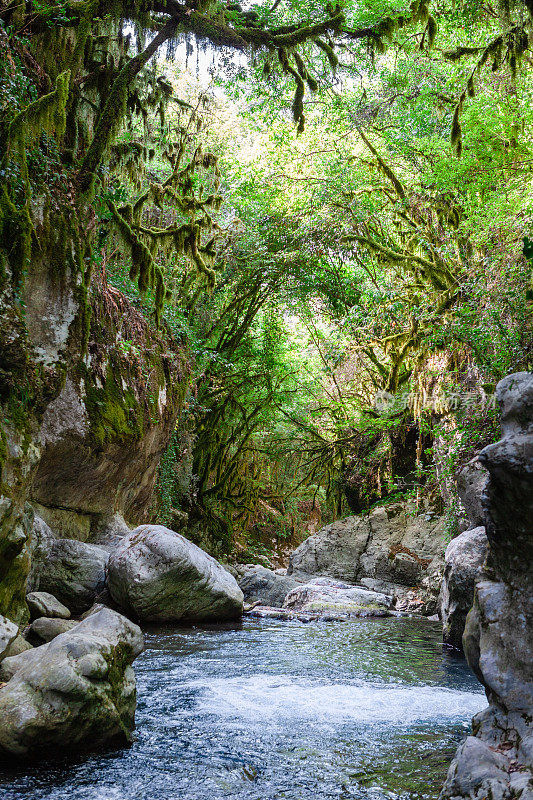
(157,575)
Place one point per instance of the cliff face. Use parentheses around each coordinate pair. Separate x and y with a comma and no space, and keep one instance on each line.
(497,760)
(103,436)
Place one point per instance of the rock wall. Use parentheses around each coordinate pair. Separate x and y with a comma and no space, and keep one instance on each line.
(497,760)
(104,435)
(395,546)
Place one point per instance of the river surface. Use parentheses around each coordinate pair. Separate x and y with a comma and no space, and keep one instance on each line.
(371,709)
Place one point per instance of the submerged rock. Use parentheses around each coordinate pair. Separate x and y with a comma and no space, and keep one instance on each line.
(76,692)
(44,604)
(324,596)
(157,575)
(74,572)
(260,584)
(463,561)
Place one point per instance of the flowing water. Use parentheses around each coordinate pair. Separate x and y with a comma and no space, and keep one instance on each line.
(370,709)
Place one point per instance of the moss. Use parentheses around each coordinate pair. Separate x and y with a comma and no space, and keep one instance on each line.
(118,659)
(114,412)
(15,230)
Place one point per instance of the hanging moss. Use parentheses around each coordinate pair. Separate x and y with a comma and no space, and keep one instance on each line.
(48,114)
(328,50)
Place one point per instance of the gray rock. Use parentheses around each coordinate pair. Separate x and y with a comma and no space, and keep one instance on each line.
(109,531)
(463,561)
(77,692)
(471,482)
(157,575)
(323,595)
(477,771)
(74,572)
(8,634)
(43,604)
(266,587)
(17,646)
(395,545)
(45,629)
(65,523)
(93,610)
(497,761)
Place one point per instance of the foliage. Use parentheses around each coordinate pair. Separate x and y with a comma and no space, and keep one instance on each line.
(303,223)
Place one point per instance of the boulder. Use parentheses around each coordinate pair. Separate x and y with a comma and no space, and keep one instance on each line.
(109,531)
(17,646)
(463,560)
(45,629)
(74,572)
(43,604)
(326,596)
(8,634)
(77,692)
(396,545)
(472,480)
(262,585)
(157,575)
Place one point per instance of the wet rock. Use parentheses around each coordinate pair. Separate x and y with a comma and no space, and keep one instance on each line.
(44,604)
(74,572)
(45,629)
(477,771)
(265,586)
(322,595)
(286,615)
(77,692)
(463,561)
(157,575)
(8,634)
(396,545)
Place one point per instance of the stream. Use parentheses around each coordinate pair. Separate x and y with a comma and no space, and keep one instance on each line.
(369,709)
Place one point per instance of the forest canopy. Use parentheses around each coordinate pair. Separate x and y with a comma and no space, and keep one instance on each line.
(329,206)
